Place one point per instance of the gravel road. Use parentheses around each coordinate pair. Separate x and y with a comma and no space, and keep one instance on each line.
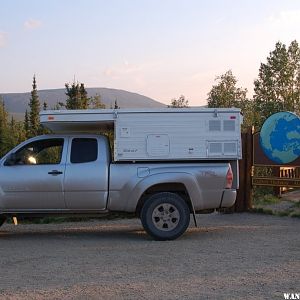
(230,256)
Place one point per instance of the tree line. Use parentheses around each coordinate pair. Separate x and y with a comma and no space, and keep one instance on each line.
(13,132)
(277,88)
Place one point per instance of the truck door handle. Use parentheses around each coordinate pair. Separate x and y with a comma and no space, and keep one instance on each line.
(55,172)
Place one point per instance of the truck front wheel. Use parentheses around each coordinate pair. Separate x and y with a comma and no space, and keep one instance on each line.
(165,216)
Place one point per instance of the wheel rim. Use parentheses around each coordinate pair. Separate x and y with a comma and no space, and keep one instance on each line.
(165,217)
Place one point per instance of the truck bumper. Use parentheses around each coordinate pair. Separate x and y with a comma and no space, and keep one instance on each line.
(228,199)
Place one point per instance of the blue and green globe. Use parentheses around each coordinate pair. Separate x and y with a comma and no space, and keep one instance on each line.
(280,137)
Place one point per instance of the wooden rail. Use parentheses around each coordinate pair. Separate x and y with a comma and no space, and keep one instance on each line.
(290,172)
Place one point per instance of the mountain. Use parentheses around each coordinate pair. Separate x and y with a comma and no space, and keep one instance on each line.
(17,103)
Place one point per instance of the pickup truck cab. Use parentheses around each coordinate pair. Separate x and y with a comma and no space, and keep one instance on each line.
(73,174)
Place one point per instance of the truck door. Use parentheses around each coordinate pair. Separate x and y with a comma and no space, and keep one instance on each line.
(33,179)
(86,178)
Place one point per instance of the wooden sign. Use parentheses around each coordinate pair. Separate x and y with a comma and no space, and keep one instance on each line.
(260,159)
(275,181)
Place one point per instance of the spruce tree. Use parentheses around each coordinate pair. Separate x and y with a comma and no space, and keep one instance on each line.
(3,128)
(116,106)
(26,124)
(95,102)
(11,132)
(84,100)
(77,96)
(3,118)
(34,104)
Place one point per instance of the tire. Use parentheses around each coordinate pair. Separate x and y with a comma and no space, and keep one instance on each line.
(2,220)
(165,216)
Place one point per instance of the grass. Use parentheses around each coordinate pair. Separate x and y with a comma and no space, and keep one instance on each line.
(266,203)
(297,204)
(266,200)
(262,210)
(295,215)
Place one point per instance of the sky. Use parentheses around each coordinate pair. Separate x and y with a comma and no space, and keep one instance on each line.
(158,48)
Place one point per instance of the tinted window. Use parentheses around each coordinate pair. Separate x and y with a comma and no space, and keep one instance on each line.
(84,150)
(40,153)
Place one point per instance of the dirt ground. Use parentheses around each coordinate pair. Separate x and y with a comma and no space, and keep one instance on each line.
(230,256)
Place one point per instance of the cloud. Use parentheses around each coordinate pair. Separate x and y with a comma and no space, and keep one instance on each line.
(285,25)
(32,24)
(126,68)
(130,76)
(3,39)
(281,26)
(285,18)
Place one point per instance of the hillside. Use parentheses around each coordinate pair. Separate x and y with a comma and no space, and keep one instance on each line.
(17,103)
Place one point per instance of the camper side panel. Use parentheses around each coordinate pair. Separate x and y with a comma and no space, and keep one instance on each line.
(177,136)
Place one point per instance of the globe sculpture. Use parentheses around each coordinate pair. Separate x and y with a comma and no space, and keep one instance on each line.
(280,137)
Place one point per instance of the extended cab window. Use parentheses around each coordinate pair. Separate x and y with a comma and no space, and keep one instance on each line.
(48,151)
(84,150)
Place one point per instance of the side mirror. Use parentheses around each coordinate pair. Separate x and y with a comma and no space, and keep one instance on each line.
(11,160)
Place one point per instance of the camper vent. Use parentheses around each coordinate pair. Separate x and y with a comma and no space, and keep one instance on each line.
(215,148)
(229,125)
(230,148)
(214,125)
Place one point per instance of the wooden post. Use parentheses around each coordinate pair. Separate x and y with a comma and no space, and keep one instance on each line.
(244,194)
(276,173)
(249,167)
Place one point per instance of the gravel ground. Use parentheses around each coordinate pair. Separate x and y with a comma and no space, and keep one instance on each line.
(230,256)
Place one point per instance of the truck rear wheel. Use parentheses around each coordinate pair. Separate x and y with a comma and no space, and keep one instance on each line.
(165,216)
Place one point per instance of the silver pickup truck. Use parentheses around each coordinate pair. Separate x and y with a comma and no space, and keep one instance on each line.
(74,174)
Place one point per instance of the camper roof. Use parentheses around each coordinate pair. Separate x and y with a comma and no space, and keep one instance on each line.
(91,120)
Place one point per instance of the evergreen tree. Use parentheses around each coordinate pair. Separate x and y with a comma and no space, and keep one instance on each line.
(3,118)
(34,104)
(26,124)
(20,133)
(11,133)
(83,97)
(116,106)
(3,128)
(77,96)
(16,133)
(13,136)
(180,102)
(96,103)
(45,106)
(278,85)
